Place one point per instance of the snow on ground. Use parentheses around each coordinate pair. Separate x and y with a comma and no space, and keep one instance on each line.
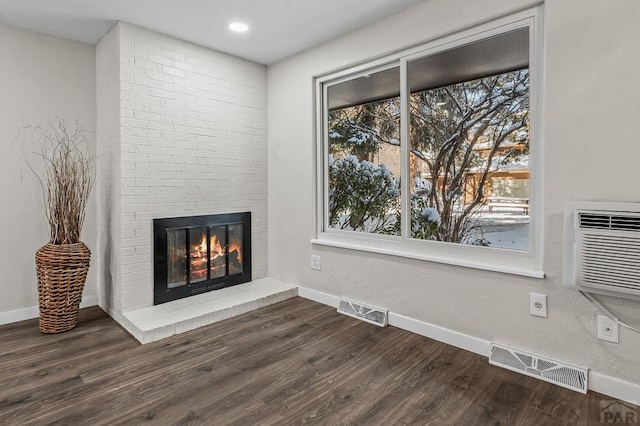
(515,237)
(503,228)
(506,228)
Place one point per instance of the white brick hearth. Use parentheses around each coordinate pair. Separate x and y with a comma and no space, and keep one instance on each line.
(181,131)
(160,321)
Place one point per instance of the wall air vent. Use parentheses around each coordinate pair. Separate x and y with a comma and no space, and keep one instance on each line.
(567,376)
(361,311)
(602,248)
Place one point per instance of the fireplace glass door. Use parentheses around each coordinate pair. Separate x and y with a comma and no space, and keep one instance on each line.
(176,258)
(197,254)
(218,251)
(235,249)
(212,252)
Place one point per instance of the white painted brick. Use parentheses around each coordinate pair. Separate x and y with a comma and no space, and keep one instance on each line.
(143,250)
(132,263)
(133,242)
(144,64)
(134,190)
(161,58)
(169,70)
(192,140)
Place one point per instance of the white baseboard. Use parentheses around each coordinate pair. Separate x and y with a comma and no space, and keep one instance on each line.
(441,334)
(614,387)
(598,382)
(319,296)
(32,311)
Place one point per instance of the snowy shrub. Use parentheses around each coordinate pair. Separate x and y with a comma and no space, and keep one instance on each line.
(425,220)
(362,196)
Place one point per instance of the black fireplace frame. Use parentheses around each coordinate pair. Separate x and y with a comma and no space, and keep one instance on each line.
(161,292)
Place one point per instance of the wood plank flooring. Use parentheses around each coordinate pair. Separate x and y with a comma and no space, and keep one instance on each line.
(296,362)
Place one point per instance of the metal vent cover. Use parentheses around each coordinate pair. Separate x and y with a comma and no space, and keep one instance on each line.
(364,312)
(555,372)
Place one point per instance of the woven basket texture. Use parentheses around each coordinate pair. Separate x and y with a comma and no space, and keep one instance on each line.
(62,272)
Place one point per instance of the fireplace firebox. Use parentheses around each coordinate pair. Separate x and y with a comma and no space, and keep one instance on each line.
(197,254)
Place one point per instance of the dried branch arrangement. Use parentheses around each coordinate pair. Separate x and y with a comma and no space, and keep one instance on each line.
(67,179)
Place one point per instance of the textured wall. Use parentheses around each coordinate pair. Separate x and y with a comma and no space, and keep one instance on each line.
(41,78)
(589,101)
(109,169)
(192,141)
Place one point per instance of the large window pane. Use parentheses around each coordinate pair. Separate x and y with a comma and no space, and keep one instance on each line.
(455,123)
(364,153)
(469,144)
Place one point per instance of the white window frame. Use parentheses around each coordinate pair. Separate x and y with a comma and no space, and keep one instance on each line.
(518,262)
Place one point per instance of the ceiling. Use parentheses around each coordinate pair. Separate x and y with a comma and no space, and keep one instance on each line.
(278,28)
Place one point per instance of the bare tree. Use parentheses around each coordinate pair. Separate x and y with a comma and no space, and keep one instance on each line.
(448,123)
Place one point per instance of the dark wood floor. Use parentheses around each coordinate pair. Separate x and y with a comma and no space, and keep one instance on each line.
(296,362)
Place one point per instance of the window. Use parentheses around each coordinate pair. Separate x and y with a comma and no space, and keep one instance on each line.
(363,141)
(434,153)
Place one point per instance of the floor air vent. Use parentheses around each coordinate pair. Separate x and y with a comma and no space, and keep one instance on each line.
(564,375)
(366,313)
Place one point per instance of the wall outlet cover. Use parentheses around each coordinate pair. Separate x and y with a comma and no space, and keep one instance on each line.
(538,305)
(607,329)
(315,262)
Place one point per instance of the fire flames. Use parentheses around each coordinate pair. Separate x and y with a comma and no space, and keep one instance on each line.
(217,250)
(198,258)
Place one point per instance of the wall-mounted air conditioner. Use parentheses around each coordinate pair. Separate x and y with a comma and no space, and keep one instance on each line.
(602,248)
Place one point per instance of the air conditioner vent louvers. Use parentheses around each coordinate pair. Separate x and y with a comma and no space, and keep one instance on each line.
(614,222)
(609,261)
(602,248)
(564,375)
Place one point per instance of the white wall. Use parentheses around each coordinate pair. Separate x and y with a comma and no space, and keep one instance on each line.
(591,104)
(41,78)
(109,169)
(188,137)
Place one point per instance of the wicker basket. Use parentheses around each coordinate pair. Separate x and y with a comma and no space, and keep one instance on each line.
(62,272)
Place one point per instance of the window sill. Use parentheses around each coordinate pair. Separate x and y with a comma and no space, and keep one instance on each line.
(495,260)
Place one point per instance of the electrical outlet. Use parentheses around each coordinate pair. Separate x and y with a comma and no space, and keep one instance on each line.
(607,329)
(538,305)
(315,262)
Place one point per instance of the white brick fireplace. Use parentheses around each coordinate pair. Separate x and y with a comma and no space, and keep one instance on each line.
(182,130)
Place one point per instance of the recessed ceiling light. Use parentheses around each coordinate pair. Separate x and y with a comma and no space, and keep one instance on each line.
(239,27)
